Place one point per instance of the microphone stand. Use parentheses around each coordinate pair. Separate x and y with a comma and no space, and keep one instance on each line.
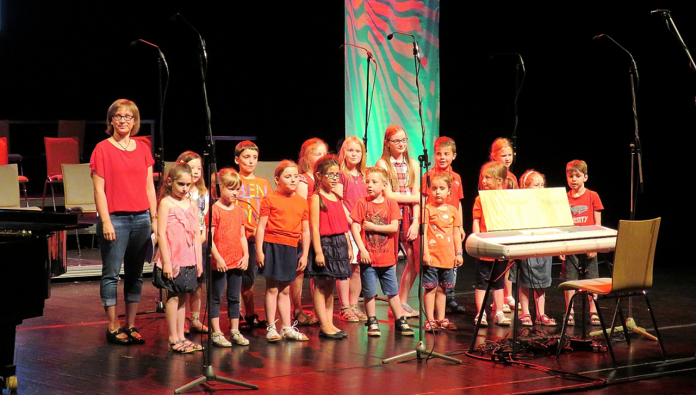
(370,58)
(636,154)
(421,349)
(159,153)
(208,371)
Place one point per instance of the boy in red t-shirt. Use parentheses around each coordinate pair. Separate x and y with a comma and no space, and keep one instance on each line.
(375,230)
(445,153)
(586,207)
(254,188)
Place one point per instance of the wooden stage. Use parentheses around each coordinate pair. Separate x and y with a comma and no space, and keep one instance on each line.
(65,352)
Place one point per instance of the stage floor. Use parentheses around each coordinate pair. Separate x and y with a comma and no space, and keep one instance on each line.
(65,352)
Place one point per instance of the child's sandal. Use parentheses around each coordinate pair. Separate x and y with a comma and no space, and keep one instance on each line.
(180,348)
(431,326)
(446,324)
(594,320)
(305,319)
(545,320)
(526,320)
(571,319)
(196,325)
(193,346)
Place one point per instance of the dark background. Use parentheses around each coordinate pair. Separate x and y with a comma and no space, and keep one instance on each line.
(276,71)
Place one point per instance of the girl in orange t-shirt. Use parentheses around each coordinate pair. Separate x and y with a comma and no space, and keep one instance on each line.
(442,251)
(501,151)
(493,176)
(230,257)
(284,218)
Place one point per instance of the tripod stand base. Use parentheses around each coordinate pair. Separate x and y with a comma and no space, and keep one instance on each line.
(419,352)
(211,376)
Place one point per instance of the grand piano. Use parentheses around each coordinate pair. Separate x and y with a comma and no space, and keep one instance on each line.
(32,250)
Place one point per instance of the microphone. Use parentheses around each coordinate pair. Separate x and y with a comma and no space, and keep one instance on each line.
(662,12)
(164,60)
(416,49)
(633,62)
(369,54)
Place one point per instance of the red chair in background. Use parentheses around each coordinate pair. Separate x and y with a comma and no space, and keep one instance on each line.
(58,151)
(3,161)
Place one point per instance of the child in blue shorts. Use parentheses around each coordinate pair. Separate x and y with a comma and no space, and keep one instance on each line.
(375,230)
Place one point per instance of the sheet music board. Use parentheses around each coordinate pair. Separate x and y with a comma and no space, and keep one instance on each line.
(511,209)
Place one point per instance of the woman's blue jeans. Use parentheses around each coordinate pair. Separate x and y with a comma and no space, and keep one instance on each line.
(132,237)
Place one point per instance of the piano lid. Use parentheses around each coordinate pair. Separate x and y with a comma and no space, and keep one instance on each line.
(36,220)
(513,209)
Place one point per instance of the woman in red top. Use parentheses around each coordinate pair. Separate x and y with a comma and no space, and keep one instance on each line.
(125,196)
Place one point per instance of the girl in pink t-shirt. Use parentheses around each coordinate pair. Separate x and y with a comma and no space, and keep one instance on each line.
(180,258)
(351,186)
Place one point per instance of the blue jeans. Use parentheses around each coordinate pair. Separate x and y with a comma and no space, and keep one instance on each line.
(132,236)
(369,276)
(233,279)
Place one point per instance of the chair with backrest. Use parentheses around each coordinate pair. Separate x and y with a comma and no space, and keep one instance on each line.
(58,151)
(9,193)
(74,129)
(79,196)
(4,160)
(11,158)
(632,275)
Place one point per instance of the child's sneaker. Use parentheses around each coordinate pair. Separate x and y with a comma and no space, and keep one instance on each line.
(291,333)
(356,310)
(447,325)
(501,319)
(402,328)
(271,333)
(220,341)
(431,326)
(484,321)
(238,339)
(373,327)
(348,315)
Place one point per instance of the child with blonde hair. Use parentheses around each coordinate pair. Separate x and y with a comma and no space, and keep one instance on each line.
(375,228)
(199,196)
(492,177)
(535,273)
(351,187)
(501,151)
(230,257)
